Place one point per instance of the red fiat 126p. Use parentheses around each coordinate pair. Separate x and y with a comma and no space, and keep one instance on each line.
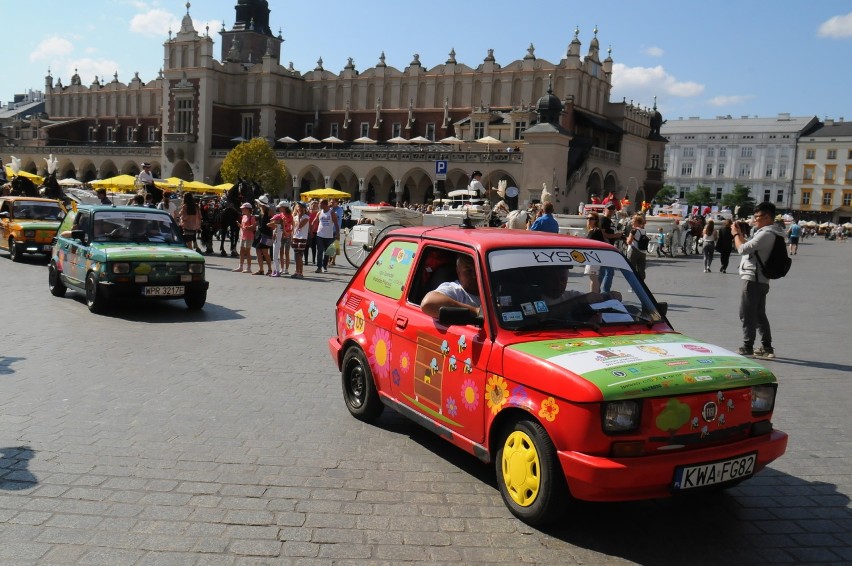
(546,355)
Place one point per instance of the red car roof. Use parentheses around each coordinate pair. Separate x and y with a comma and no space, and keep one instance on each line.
(486,239)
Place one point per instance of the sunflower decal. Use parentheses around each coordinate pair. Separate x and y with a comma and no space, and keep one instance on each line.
(549,409)
(469,395)
(380,350)
(405,362)
(496,393)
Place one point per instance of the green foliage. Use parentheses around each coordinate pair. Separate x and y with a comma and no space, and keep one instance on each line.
(701,195)
(740,197)
(255,160)
(665,195)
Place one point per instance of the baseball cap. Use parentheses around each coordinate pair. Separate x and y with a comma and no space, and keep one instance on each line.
(246,205)
(610,204)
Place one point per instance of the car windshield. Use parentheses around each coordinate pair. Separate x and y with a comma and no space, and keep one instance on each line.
(31,210)
(555,288)
(134,227)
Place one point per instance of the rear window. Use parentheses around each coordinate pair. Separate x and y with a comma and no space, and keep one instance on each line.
(390,271)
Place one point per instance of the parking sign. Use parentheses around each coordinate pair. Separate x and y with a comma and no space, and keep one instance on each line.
(441,170)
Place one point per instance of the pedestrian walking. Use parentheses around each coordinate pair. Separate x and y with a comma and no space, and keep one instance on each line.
(313,211)
(594,232)
(301,228)
(248,224)
(610,235)
(725,244)
(263,236)
(637,239)
(326,234)
(755,284)
(708,237)
(793,234)
(283,231)
(189,219)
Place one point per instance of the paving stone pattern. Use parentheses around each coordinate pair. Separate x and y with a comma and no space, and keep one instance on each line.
(155,435)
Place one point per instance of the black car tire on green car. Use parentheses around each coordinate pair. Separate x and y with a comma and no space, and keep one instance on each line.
(195,301)
(95,299)
(54,281)
(14,253)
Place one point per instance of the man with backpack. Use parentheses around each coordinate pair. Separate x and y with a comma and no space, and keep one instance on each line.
(756,269)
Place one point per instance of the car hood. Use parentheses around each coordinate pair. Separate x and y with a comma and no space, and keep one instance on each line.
(647,365)
(147,252)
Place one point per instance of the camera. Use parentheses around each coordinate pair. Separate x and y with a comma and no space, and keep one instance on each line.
(743,228)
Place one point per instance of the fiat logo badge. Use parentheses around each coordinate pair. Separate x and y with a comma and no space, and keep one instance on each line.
(708,412)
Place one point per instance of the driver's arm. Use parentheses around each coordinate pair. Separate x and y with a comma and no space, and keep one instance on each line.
(434,300)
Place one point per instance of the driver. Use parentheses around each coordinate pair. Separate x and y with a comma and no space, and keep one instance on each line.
(558,298)
(463,292)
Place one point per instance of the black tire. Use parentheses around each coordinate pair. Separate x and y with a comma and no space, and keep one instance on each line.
(54,281)
(359,389)
(14,253)
(195,301)
(95,299)
(529,475)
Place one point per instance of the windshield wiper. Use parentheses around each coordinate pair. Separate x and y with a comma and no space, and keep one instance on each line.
(545,323)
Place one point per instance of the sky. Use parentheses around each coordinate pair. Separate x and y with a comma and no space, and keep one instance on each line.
(700,59)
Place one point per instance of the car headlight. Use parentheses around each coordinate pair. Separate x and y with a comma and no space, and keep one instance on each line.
(196,268)
(29,233)
(121,268)
(621,416)
(763,398)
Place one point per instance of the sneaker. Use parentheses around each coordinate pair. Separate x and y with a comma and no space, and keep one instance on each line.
(295,276)
(325,270)
(768,353)
(237,269)
(319,270)
(745,351)
(274,274)
(286,272)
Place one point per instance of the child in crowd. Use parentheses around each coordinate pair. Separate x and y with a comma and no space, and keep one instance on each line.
(248,224)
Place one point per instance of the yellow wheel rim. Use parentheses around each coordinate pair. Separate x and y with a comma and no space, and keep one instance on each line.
(521,468)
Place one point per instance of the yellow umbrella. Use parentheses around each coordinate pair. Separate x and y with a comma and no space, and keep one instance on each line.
(199,187)
(223,187)
(124,183)
(34,178)
(325,193)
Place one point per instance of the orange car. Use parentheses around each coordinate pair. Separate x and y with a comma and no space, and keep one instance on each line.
(28,225)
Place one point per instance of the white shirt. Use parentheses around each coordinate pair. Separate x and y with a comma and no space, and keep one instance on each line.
(145,177)
(475,185)
(456,292)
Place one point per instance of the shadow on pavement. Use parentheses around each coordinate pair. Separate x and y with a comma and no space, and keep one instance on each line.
(162,311)
(6,364)
(14,475)
(811,364)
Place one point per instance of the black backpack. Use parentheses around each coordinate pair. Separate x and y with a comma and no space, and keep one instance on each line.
(643,241)
(778,263)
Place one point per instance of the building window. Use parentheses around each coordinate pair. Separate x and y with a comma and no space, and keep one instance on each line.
(810,153)
(686,170)
(248,126)
(430,131)
(830,173)
(768,173)
(849,174)
(806,197)
(152,134)
(723,151)
(110,134)
(519,130)
(689,152)
(832,154)
(655,161)
(827,198)
(745,151)
(782,171)
(808,173)
(478,130)
(334,129)
(396,130)
(849,154)
(710,152)
(779,195)
(745,170)
(130,134)
(767,195)
(91,136)
(365,129)
(847,198)
(708,170)
(718,193)
(309,130)
(683,192)
(183,117)
(720,171)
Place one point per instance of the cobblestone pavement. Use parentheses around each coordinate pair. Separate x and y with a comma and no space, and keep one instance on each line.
(154,435)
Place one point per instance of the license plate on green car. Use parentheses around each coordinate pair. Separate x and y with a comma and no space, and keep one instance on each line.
(163,291)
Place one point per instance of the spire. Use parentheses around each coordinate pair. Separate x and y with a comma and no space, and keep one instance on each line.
(574,46)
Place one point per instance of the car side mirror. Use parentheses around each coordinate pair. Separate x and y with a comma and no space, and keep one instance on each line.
(449,316)
(663,308)
(78,235)
(4,214)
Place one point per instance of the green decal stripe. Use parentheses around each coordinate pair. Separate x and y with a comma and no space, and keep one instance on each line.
(546,349)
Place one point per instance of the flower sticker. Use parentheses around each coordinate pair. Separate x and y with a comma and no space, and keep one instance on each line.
(405,362)
(452,407)
(549,409)
(470,395)
(496,393)
(380,349)
(519,394)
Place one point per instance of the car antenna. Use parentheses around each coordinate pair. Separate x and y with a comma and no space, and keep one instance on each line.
(466,222)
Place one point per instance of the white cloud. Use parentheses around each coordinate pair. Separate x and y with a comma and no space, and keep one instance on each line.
(837,26)
(654,51)
(730,100)
(154,22)
(642,83)
(88,69)
(51,48)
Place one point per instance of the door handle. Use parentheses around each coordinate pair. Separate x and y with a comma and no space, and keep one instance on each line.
(401,322)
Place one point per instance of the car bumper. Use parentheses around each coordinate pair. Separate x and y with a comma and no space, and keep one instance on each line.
(334,347)
(134,291)
(33,247)
(594,478)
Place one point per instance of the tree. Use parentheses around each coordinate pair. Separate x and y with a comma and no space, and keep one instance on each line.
(739,197)
(665,195)
(254,160)
(701,195)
